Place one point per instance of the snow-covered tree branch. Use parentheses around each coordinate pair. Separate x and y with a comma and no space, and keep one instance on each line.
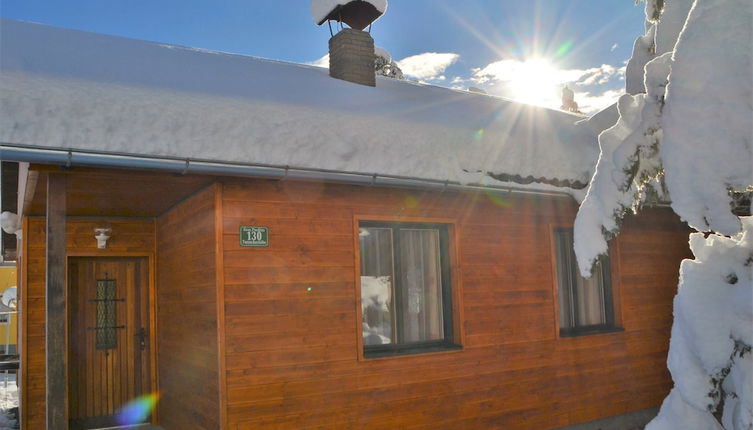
(685,134)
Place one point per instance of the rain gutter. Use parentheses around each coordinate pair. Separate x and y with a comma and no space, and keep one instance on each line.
(81,158)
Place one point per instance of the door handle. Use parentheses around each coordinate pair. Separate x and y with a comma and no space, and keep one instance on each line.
(142,338)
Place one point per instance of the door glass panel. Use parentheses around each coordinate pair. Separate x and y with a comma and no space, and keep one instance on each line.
(106,314)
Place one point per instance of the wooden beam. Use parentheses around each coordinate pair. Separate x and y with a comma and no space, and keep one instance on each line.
(27,186)
(56,301)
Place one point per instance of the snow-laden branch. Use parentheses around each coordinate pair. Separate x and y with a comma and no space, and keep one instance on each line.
(690,135)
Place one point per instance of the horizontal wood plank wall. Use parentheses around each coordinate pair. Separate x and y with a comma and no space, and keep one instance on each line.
(187,315)
(128,236)
(290,316)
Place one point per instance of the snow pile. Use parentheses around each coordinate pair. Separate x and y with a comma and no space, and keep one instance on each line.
(376,291)
(321,8)
(101,93)
(665,20)
(376,296)
(8,400)
(673,16)
(382,53)
(710,357)
(642,53)
(708,136)
(385,66)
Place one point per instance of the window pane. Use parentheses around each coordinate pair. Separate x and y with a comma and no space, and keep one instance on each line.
(106,316)
(420,277)
(564,277)
(582,302)
(376,286)
(590,296)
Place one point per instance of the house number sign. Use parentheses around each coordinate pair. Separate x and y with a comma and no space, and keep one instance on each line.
(254,237)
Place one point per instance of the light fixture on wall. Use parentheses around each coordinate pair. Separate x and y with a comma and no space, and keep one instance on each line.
(102,234)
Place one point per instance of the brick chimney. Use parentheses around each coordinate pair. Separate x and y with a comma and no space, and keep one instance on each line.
(351,57)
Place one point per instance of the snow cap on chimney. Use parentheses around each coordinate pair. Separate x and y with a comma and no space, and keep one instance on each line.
(351,51)
(358,14)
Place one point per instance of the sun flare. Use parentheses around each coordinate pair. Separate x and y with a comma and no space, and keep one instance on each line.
(536,81)
(533,80)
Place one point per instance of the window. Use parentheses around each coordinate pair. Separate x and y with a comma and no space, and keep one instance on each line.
(106,314)
(585,305)
(4,319)
(406,301)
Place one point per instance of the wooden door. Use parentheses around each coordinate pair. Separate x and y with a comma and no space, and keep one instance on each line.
(108,340)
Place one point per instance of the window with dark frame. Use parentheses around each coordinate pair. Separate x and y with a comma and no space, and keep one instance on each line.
(406,297)
(585,305)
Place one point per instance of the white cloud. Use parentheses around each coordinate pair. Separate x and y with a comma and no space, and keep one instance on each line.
(427,66)
(598,75)
(591,103)
(512,70)
(621,73)
(322,62)
(547,74)
(536,81)
(615,46)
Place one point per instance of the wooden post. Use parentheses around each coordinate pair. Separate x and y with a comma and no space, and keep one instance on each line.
(56,302)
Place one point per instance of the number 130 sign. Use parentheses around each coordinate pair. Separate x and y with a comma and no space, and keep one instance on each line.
(254,236)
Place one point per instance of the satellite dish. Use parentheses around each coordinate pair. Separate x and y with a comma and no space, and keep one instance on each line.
(9,297)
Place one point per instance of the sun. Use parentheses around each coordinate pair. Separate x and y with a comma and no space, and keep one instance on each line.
(536,81)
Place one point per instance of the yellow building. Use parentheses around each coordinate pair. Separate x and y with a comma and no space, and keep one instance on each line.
(8,323)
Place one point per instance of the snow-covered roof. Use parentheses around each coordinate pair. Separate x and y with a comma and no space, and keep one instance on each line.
(69,89)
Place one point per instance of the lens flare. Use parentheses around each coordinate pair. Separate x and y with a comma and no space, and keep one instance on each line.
(480,133)
(564,49)
(498,200)
(137,410)
(411,202)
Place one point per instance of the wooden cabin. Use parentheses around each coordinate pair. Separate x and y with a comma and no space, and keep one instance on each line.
(236,290)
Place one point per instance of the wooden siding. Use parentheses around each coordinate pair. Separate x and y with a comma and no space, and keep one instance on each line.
(129,237)
(116,192)
(187,314)
(291,315)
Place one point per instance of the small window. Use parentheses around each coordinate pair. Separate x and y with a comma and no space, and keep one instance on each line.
(4,319)
(106,314)
(406,301)
(585,305)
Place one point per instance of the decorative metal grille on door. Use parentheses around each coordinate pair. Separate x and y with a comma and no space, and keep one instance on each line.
(107,314)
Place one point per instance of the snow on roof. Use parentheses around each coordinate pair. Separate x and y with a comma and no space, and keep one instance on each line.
(75,90)
(320,9)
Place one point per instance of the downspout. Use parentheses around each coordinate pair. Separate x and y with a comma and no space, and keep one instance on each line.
(72,158)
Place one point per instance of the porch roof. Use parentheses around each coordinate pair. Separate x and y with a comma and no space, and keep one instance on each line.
(82,91)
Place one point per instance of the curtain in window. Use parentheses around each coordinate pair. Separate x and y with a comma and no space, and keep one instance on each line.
(421,285)
(581,301)
(590,296)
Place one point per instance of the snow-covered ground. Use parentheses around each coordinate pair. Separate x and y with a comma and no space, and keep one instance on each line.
(8,400)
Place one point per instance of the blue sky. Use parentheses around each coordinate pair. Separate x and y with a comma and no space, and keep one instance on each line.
(483,42)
